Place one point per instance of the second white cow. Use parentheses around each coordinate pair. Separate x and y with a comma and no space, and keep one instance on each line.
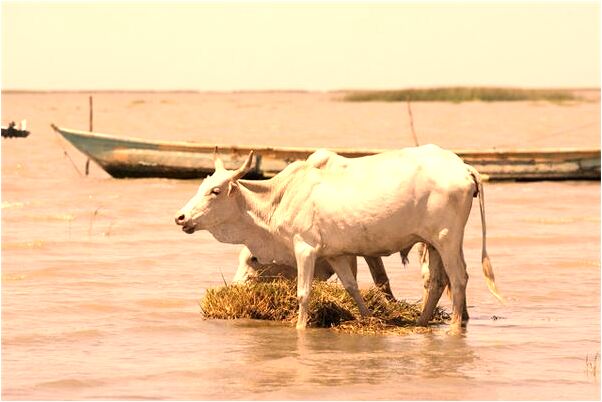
(250,269)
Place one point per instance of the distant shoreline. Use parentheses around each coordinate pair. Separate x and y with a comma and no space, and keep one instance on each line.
(259,91)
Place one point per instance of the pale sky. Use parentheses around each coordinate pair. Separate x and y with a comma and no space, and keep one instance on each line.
(313,46)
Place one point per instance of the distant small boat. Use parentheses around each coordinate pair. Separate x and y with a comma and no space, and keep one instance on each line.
(12,132)
(123,157)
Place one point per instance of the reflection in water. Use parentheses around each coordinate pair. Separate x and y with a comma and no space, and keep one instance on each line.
(331,358)
(445,355)
(282,357)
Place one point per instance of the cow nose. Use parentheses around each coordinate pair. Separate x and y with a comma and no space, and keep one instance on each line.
(181,219)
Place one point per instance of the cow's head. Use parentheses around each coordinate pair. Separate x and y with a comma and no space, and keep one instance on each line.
(214,202)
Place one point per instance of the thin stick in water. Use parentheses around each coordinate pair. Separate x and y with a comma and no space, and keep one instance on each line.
(92,221)
(412,124)
(91,129)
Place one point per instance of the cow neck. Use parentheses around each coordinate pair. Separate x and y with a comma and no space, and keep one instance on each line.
(259,200)
(263,197)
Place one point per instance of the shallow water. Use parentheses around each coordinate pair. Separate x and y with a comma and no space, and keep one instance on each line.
(100,289)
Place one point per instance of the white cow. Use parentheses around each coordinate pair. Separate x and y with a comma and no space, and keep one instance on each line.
(383,205)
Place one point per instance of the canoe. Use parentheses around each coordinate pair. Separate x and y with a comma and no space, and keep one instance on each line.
(127,157)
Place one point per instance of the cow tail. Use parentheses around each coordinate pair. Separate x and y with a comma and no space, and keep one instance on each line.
(487,268)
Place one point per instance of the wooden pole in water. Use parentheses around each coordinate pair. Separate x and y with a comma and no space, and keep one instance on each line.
(91,127)
(412,123)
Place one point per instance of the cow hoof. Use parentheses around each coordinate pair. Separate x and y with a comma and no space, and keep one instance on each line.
(301,325)
(456,329)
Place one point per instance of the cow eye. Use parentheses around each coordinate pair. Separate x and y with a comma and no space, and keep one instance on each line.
(215,190)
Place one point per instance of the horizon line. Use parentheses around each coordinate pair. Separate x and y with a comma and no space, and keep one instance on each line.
(290,90)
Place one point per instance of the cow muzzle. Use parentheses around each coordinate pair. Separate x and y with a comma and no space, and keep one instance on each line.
(184,221)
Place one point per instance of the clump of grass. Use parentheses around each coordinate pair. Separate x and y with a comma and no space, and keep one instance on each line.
(256,300)
(330,307)
(461,94)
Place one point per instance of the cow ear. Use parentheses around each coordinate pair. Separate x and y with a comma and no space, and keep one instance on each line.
(232,186)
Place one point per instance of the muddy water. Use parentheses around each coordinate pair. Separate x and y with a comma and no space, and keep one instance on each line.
(100,289)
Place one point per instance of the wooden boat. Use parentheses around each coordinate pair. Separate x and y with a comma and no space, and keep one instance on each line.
(134,157)
(12,132)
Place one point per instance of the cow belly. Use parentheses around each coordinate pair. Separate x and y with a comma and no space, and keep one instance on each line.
(378,239)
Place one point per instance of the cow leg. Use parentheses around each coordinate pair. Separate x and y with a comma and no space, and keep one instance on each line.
(379,275)
(434,285)
(306,259)
(353,265)
(440,278)
(455,268)
(424,271)
(465,316)
(244,271)
(342,268)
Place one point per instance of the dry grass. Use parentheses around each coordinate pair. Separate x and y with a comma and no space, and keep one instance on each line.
(330,307)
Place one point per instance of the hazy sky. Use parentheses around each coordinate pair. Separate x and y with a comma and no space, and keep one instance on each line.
(211,46)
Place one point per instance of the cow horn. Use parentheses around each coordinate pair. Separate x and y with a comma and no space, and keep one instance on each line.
(244,169)
(219,165)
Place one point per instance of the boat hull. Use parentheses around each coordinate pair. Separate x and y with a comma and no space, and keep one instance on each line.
(135,158)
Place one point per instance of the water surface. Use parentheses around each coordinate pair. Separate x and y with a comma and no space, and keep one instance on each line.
(100,289)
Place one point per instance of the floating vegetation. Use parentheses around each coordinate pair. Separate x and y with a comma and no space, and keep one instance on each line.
(461,94)
(136,102)
(592,364)
(330,307)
